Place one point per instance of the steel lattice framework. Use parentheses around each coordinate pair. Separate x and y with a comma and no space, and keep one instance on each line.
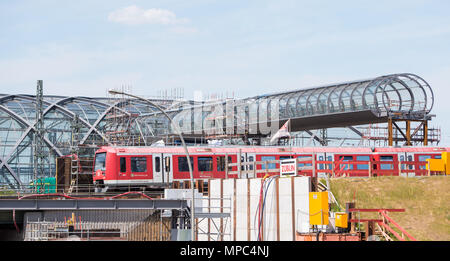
(338,105)
(18,120)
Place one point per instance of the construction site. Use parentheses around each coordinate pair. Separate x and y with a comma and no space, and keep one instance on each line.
(264,168)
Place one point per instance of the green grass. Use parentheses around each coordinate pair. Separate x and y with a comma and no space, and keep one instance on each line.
(425,200)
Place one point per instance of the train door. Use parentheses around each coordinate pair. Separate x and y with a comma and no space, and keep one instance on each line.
(157,168)
(248,157)
(385,165)
(124,170)
(406,164)
(168,172)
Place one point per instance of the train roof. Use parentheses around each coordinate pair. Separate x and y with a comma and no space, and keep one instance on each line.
(266,149)
(412,149)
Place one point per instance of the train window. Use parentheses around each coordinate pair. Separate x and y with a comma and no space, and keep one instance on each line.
(221,163)
(386,158)
(330,158)
(346,166)
(386,166)
(123,164)
(157,164)
(269,165)
(100,160)
(362,166)
(320,165)
(183,164)
(410,158)
(424,157)
(362,158)
(402,158)
(347,158)
(205,163)
(438,157)
(250,159)
(138,164)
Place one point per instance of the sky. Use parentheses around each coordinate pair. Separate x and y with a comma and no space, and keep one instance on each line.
(229,48)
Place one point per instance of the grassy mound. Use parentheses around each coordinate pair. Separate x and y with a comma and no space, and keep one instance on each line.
(425,200)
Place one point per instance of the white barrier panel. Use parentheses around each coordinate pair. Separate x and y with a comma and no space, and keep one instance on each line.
(285,209)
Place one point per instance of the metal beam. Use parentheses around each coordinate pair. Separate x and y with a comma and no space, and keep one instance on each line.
(356,131)
(15,176)
(90,204)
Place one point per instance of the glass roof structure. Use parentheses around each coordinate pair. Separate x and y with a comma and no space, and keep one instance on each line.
(97,121)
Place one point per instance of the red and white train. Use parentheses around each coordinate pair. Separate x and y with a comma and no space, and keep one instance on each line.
(159,166)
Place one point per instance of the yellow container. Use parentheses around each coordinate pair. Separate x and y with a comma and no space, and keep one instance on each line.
(445,159)
(341,219)
(318,208)
(436,165)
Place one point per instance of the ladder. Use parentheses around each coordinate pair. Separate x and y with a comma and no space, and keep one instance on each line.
(74,174)
(72,185)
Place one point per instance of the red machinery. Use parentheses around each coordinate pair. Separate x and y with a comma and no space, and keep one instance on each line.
(159,166)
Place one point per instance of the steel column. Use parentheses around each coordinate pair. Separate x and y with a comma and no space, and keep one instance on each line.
(390,133)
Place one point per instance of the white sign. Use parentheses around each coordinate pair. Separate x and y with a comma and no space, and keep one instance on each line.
(288,167)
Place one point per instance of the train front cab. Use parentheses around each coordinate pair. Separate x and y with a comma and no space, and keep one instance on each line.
(99,168)
(117,169)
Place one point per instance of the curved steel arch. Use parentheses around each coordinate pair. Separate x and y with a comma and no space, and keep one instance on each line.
(57,106)
(109,109)
(101,117)
(411,77)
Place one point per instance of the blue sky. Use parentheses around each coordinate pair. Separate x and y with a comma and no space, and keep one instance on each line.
(224,47)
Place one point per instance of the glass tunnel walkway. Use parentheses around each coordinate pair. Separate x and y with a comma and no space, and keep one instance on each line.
(400,96)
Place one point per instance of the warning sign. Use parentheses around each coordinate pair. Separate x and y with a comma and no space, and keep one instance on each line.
(288,167)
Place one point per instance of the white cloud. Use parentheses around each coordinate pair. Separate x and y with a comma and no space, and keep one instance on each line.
(133,15)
